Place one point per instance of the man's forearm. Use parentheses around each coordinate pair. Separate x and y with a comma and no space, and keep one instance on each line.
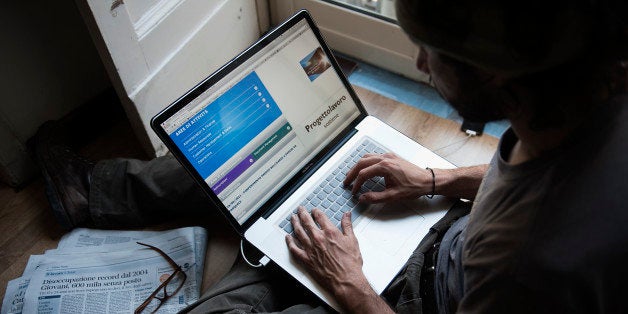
(361,298)
(461,182)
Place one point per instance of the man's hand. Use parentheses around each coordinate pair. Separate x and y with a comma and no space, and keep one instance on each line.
(404,180)
(333,258)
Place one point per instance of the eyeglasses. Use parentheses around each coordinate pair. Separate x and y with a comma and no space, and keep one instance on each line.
(169,287)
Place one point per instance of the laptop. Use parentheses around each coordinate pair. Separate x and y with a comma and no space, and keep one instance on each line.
(278,127)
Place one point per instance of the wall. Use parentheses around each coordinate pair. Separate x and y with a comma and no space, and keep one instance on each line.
(49,67)
(154,54)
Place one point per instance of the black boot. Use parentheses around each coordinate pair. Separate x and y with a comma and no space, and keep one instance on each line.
(67,177)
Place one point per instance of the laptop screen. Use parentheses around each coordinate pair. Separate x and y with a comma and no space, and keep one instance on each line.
(252,130)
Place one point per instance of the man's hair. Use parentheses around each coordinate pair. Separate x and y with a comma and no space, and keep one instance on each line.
(555,48)
(518,37)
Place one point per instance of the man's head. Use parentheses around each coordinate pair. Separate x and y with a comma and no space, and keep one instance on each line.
(481,54)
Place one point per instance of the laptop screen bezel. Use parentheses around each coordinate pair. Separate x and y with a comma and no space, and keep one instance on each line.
(228,68)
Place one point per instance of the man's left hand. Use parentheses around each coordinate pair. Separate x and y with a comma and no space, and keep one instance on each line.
(331,256)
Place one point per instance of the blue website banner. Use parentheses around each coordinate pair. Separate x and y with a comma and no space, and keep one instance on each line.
(226,125)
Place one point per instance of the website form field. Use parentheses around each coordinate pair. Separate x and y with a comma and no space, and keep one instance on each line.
(225,126)
(249,160)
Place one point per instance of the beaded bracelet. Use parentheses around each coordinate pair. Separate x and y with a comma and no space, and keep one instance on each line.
(433,183)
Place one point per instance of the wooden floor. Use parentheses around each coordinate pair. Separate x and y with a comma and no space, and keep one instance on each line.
(440,135)
(28,226)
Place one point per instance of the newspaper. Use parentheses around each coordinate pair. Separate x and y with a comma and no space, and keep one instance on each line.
(97,271)
(14,295)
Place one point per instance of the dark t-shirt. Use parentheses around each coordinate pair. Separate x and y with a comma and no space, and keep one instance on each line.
(551,234)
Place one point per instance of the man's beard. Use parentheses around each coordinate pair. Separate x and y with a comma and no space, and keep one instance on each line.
(480,109)
(475,101)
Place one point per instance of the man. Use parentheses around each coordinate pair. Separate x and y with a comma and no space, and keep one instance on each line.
(547,228)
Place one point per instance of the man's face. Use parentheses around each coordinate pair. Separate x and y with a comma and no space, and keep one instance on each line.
(467,89)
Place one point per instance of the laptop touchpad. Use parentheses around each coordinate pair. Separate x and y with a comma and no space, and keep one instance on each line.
(389,227)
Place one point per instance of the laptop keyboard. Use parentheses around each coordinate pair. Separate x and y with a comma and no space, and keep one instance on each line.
(332,197)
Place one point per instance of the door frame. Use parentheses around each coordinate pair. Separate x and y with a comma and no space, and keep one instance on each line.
(131,75)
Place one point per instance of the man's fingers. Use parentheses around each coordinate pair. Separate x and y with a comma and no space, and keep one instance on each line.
(306,221)
(366,161)
(365,174)
(299,232)
(347,227)
(295,250)
(378,197)
(322,220)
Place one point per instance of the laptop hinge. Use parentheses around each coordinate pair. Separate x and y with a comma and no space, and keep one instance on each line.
(308,173)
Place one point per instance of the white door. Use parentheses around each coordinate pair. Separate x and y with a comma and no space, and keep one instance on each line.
(156,50)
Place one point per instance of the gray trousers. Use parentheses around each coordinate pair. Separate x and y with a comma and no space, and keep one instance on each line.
(257,290)
(134,193)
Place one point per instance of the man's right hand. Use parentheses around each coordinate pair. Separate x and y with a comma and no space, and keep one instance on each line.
(404,180)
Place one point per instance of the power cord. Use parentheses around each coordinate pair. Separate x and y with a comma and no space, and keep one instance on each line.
(471,133)
(262,261)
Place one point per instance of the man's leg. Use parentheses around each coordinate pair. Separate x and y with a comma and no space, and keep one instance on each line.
(449,279)
(112,193)
(130,192)
(256,290)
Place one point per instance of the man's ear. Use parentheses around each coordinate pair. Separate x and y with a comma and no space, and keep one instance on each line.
(421,61)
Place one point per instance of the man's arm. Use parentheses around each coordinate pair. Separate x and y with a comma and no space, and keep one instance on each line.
(334,259)
(461,182)
(405,180)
